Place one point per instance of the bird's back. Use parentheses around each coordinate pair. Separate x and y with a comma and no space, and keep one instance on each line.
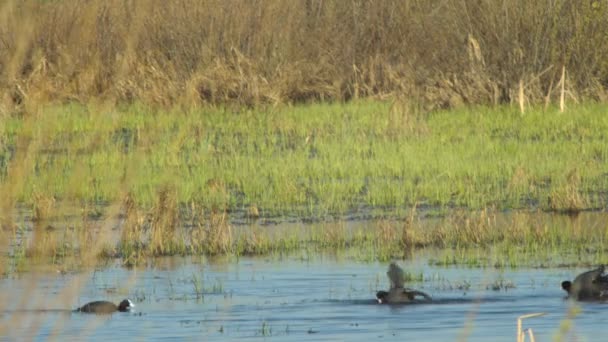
(98,307)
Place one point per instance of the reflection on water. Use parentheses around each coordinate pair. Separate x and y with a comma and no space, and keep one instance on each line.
(325,299)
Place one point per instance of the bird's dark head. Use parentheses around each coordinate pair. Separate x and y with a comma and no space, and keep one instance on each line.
(125,305)
(566,285)
(382,296)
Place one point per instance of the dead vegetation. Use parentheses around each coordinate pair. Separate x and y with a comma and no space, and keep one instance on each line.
(443,54)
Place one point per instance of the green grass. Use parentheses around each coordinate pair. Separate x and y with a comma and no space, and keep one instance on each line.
(316,160)
(187,181)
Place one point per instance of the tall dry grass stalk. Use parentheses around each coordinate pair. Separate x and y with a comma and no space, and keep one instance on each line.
(133,232)
(408,236)
(521,97)
(213,234)
(521,334)
(250,52)
(562,93)
(164,225)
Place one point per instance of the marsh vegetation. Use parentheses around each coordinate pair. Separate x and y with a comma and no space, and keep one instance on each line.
(218,181)
(281,51)
(183,128)
(457,134)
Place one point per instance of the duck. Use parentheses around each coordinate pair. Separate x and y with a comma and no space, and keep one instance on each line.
(398,294)
(105,307)
(588,286)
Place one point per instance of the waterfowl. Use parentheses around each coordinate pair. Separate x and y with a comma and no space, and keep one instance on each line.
(397,292)
(590,285)
(105,307)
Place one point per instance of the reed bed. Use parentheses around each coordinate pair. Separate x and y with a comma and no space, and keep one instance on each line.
(474,239)
(443,54)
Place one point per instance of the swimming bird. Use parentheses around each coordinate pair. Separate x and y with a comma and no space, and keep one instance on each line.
(397,292)
(590,285)
(105,307)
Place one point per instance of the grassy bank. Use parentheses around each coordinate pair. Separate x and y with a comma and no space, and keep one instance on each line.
(181,181)
(309,161)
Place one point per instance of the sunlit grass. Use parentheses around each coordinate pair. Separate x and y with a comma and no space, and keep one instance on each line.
(181,182)
(316,160)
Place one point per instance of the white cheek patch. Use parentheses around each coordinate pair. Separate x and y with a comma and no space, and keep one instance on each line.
(131,305)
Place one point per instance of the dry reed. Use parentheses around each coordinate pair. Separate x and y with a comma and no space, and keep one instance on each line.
(191,52)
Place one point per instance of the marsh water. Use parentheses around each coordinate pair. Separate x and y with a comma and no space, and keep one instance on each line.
(292,298)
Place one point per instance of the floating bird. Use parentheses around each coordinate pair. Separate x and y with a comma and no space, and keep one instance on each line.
(397,292)
(590,285)
(105,307)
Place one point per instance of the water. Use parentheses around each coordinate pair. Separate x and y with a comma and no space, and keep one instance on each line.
(290,299)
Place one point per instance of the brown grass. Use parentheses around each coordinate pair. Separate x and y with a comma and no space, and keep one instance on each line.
(268,51)
(213,234)
(569,198)
(165,237)
(132,235)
